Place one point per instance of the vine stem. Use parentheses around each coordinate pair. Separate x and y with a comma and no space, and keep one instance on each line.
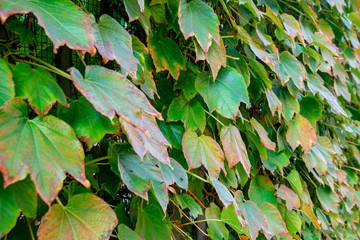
(97,160)
(30,229)
(198,177)
(189,218)
(180,230)
(205,220)
(59,202)
(215,118)
(353,168)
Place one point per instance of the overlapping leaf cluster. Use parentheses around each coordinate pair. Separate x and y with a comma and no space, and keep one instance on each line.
(218,119)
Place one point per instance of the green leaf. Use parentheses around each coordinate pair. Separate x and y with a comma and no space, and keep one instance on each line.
(234,147)
(311,109)
(292,27)
(223,193)
(173,132)
(216,56)
(176,175)
(290,68)
(225,93)
(239,63)
(203,150)
(276,223)
(217,229)
(325,43)
(290,104)
(151,224)
(39,87)
(63,21)
(186,83)
(275,160)
(262,190)
(293,222)
(125,233)
(20,196)
(166,55)
(86,216)
(328,199)
(307,210)
(7,87)
(316,85)
(47,149)
(152,141)
(207,24)
(294,179)
(134,12)
(263,135)
(229,216)
(254,218)
(105,88)
(188,202)
(137,176)
(191,113)
(300,132)
(274,103)
(285,193)
(321,156)
(259,71)
(89,125)
(114,43)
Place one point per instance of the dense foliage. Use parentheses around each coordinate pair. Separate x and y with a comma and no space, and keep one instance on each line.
(205,119)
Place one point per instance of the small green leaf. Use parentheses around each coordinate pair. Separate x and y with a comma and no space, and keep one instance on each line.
(47,149)
(300,132)
(274,102)
(290,68)
(188,202)
(20,196)
(328,199)
(203,150)
(262,190)
(229,216)
(7,87)
(239,63)
(225,93)
(292,27)
(173,132)
(151,224)
(166,55)
(63,21)
(234,147)
(207,24)
(217,229)
(290,104)
(89,125)
(86,216)
(275,160)
(114,43)
(294,179)
(311,108)
(39,87)
(125,233)
(293,222)
(191,113)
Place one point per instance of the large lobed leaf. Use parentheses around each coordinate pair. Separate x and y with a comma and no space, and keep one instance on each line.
(86,216)
(46,149)
(63,21)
